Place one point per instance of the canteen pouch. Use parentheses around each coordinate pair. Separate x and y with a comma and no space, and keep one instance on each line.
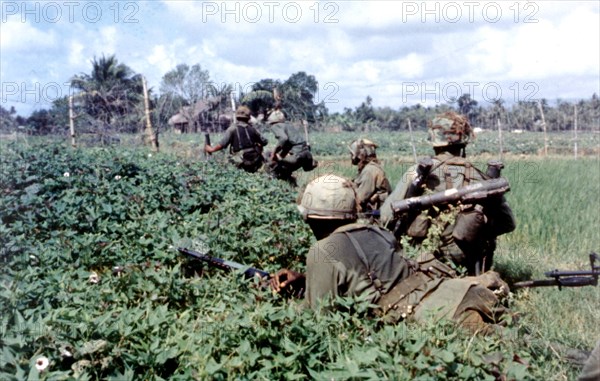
(419,227)
(469,225)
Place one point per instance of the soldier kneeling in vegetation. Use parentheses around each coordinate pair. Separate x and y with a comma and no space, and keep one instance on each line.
(352,259)
(372,186)
(468,232)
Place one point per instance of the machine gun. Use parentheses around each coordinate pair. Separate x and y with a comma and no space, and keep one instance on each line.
(467,195)
(567,278)
(223,264)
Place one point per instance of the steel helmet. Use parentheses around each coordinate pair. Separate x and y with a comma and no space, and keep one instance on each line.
(329,197)
(276,117)
(448,129)
(362,149)
(242,112)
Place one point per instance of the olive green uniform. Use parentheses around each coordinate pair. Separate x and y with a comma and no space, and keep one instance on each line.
(450,172)
(361,260)
(245,145)
(335,268)
(591,369)
(293,149)
(372,187)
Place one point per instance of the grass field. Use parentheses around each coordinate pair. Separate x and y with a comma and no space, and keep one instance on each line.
(67,213)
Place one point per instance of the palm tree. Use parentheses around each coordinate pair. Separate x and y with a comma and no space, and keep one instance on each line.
(112,93)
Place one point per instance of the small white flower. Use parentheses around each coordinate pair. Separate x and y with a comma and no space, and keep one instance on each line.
(94,278)
(42,363)
(64,352)
(66,174)
(118,177)
(149,155)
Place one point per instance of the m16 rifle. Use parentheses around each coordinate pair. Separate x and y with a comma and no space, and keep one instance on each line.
(224,264)
(296,291)
(567,278)
(466,195)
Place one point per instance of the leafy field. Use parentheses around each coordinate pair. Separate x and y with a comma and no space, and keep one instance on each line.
(69,216)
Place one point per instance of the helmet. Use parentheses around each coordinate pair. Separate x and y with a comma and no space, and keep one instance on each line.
(242,112)
(276,117)
(329,197)
(362,149)
(448,129)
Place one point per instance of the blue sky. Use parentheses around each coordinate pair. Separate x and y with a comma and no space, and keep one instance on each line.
(398,52)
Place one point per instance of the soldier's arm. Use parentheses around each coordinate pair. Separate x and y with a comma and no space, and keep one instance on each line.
(398,194)
(365,185)
(210,149)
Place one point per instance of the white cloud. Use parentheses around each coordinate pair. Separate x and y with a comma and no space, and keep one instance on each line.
(363,47)
(76,53)
(20,36)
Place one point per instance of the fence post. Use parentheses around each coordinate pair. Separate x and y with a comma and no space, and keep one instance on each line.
(544,127)
(149,130)
(71,121)
(575,131)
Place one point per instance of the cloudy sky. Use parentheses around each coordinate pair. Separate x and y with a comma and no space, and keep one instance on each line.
(398,52)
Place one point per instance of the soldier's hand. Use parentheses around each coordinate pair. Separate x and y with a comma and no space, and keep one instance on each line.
(284,279)
(492,281)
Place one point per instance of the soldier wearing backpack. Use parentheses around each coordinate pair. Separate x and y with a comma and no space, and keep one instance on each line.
(468,232)
(244,141)
(291,151)
(352,259)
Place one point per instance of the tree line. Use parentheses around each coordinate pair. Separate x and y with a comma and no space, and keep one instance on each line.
(109,100)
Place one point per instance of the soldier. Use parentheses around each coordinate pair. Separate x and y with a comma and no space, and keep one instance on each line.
(591,369)
(291,151)
(353,259)
(244,141)
(372,187)
(470,240)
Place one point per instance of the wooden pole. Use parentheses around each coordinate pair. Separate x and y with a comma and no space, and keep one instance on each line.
(149,130)
(575,131)
(544,127)
(412,143)
(500,138)
(71,121)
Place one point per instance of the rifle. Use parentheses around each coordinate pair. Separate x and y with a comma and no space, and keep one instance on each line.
(224,264)
(466,195)
(207,143)
(567,278)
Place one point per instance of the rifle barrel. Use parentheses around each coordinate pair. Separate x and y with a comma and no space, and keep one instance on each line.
(224,264)
(576,281)
(555,273)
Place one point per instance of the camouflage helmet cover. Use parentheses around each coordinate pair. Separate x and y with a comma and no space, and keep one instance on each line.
(242,112)
(276,117)
(361,149)
(329,197)
(449,128)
